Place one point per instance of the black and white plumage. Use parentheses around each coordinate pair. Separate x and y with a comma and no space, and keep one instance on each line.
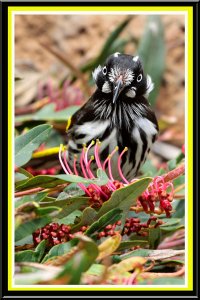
(118,114)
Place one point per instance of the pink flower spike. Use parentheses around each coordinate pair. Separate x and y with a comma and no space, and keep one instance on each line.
(91,175)
(157,181)
(86,152)
(69,170)
(110,170)
(96,154)
(75,169)
(82,162)
(80,184)
(84,168)
(109,156)
(66,163)
(60,159)
(111,186)
(170,184)
(119,165)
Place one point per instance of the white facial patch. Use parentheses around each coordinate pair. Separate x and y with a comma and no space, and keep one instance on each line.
(96,72)
(115,72)
(135,58)
(106,87)
(150,86)
(131,93)
(116,54)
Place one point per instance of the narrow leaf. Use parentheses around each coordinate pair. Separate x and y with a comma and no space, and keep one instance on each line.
(109,246)
(26,143)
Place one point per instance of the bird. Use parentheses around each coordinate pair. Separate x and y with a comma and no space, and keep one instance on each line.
(118,114)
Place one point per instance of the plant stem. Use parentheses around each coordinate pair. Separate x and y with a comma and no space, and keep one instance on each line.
(180,170)
(39,189)
(28,192)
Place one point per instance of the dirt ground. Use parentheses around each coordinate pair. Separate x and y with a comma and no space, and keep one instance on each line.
(79,38)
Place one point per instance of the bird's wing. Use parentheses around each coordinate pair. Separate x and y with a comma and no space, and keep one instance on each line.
(84,114)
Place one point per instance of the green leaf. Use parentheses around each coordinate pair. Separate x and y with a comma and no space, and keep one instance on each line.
(138,252)
(49,181)
(108,246)
(124,198)
(26,143)
(80,261)
(40,196)
(27,240)
(60,249)
(29,227)
(54,139)
(171,164)
(48,113)
(179,158)
(71,190)
(148,169)
(70,219)
(30,198)
(151,50)
(96,269)
(42,211)
(65,203)
(20,177)
(69,205)
(45,181)
(172,225)
(154,237)
(23,200)
(108,218)
(88,217)
(129,244)
(31,255)
(179,209)
(24,172)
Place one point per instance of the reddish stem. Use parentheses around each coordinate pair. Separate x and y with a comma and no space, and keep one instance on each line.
(28,192)
(180,170)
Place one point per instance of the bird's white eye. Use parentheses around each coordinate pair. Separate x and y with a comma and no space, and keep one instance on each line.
(139,78)
(104,70)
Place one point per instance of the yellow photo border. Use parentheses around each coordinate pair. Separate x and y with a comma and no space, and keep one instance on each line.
(189,59)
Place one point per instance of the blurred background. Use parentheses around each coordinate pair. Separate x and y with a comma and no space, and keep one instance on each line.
(55,56)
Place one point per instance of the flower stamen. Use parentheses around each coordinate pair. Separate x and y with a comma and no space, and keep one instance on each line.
(119,165)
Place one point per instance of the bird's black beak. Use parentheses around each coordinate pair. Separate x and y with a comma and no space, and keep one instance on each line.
(117,88)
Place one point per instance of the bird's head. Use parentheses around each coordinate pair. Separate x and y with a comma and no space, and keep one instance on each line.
(123,75)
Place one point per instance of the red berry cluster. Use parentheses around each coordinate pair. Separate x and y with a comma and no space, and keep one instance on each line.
(103,194)
(97,197)
(109,230)
(50,171)
(157,192)
(118,184)
(54,233)
(133,225)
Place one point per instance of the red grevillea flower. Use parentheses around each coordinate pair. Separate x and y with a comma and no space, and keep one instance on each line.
(98,194)
(158,191)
